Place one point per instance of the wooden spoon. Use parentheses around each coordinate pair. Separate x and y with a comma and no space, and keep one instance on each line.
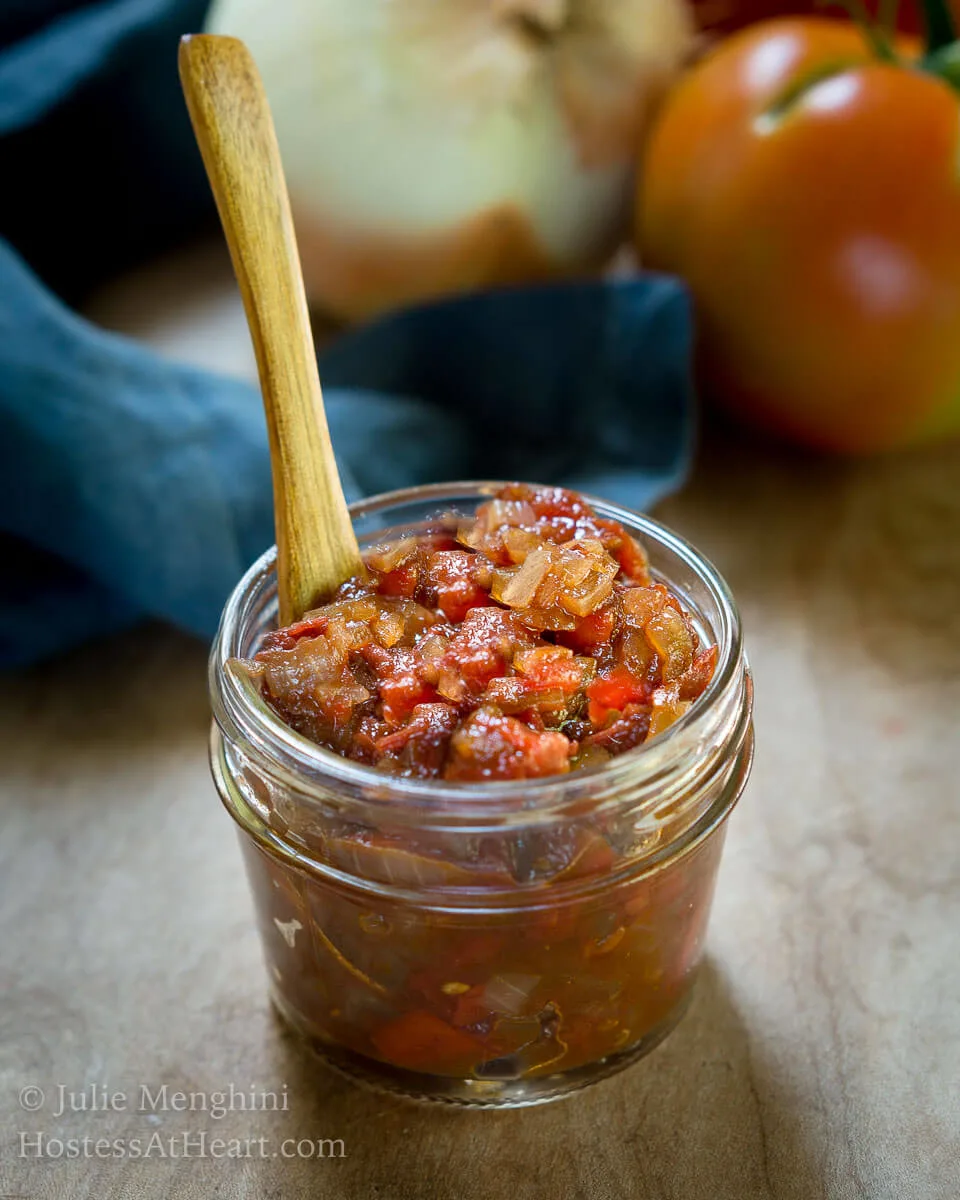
(316,546)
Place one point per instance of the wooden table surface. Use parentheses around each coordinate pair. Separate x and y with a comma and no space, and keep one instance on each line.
(821,1057)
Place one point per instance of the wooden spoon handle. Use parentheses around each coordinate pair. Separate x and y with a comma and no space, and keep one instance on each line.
(316,546)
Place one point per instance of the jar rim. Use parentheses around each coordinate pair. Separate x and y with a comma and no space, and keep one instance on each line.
(243,715)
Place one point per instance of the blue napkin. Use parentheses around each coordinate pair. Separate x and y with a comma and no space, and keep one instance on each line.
(97,159)
(131,487)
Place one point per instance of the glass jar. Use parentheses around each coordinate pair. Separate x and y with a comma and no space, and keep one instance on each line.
(490,944)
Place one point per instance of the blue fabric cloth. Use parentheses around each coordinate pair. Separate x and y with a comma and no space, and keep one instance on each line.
(97,159)
(132,487)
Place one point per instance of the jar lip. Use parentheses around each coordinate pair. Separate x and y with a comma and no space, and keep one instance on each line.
(240,710)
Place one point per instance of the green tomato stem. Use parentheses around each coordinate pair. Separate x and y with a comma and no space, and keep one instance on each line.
(875,33)
(940,28)
(945,64)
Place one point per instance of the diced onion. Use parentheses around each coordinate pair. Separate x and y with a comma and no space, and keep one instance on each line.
(518,543)
(509,993)
(518,590)
(583,605)
(391,555)
(389,629)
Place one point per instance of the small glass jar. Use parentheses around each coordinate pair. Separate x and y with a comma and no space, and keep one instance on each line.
(488,944)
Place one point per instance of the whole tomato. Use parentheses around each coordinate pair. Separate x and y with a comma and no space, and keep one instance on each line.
(808,192)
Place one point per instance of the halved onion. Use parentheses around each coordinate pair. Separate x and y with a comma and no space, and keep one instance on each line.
(434,146)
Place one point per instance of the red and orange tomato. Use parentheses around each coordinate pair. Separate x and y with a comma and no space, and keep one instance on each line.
(807,192)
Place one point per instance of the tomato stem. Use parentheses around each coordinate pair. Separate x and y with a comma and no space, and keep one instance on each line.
(943,50)
(940,29)
(876,33)
(945,64)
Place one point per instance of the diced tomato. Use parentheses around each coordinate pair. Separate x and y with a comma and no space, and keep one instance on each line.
(626,731)
(422,741)
(430,543)
(613,691)
(404,581)
(403,693)
(632,559)
(592,631)
(399,682)
(366,739)
(544,501)
(545,674)
(422,1041)
(451,573)
(533,718)
(484,645)
(489,746)
(553,667)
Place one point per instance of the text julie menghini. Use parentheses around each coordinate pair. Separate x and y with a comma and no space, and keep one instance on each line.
(146,1099)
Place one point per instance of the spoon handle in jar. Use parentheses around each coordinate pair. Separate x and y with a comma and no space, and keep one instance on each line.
(316,545)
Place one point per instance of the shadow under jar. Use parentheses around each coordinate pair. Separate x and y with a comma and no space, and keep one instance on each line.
(489,944)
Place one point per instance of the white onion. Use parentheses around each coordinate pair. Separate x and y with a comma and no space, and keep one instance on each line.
(388,557)
(442,145)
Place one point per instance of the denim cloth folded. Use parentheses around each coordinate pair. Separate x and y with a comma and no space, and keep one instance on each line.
(131,487)
(97,160)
